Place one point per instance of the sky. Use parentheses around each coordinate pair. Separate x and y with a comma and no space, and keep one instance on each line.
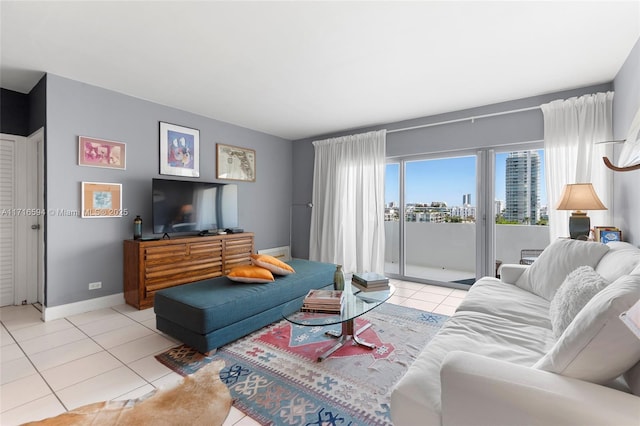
(448,179)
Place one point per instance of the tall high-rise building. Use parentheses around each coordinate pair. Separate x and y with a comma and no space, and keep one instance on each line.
(522,186)
(466,199)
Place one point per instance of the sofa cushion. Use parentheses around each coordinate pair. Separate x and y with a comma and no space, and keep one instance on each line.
(494,297)
(274,265)
(250,274)
(620,260)
(560,258)
(418,391)
(597,346)
(576,290)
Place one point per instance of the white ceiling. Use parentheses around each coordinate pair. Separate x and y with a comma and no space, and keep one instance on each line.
(299,69)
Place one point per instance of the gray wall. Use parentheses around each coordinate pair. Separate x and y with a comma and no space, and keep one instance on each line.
(486,132)
(626,184)
(80,251)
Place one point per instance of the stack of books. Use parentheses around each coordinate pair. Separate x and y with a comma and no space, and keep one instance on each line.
(323,301)
(370,281)
(606,234)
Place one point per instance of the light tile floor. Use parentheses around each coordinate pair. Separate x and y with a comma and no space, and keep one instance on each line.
(47,368)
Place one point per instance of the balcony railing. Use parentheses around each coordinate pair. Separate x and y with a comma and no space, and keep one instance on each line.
(440,250)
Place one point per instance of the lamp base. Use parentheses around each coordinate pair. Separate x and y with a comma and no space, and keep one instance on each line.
(579,226)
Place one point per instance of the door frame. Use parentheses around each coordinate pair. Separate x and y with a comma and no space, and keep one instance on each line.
(28,286)
(37,142)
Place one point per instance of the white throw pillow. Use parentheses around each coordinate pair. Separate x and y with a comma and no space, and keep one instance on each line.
(620,260)
(597,346)
(574,293)
(563,256)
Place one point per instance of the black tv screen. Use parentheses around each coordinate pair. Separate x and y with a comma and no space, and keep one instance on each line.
(187,206)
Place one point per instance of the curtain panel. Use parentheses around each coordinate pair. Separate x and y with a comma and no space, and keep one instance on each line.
(572,130)
(347,220)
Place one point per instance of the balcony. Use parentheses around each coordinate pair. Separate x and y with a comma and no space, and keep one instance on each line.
(447,251)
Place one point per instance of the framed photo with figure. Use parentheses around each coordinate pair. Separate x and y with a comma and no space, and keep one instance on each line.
(179,150)
(234,163)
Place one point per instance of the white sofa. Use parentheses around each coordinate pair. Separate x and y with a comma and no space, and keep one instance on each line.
(504,359)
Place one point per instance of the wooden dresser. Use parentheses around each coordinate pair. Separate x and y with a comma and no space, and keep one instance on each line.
(150,266)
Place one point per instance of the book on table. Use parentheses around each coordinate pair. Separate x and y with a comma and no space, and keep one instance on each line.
(372,287)
(329,301)
(369,279)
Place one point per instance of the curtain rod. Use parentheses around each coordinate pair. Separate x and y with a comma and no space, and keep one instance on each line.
(457,120)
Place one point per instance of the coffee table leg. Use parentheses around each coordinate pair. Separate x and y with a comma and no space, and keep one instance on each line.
(347,332)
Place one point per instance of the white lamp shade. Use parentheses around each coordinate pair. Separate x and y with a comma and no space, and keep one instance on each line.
(579,196)
(632,318)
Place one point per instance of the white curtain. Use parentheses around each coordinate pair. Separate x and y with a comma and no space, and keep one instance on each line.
(347,220)
(572,129)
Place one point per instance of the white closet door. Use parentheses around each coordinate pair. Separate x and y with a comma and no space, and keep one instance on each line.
(7,220)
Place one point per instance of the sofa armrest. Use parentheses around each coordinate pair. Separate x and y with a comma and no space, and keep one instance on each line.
(477,390)
(510,272)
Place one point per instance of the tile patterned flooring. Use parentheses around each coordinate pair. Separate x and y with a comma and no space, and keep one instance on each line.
(47,368)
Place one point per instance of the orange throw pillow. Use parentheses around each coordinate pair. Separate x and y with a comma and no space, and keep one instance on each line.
(274,265)
(250,274)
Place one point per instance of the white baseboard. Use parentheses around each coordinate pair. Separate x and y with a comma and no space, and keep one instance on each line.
(62,311)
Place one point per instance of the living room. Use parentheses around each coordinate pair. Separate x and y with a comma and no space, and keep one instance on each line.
(82,251)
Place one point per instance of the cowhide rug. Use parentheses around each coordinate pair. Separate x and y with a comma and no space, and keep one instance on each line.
(200,399)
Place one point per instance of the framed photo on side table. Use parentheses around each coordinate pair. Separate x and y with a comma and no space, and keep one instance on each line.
(235,163)
(606,236)
(100,200)
(179,150)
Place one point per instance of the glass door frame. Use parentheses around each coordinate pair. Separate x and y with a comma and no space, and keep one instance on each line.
(485,205)
(401,161)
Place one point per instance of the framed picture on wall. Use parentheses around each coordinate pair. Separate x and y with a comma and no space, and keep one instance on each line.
(101,200)
(235,163)
(179,150)
(101,153)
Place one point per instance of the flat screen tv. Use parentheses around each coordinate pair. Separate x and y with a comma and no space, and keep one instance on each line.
(191,207)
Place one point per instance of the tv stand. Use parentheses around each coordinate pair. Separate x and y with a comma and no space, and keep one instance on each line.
(150,266)
(166,236)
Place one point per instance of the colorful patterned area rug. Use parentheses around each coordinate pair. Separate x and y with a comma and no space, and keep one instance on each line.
(274,377)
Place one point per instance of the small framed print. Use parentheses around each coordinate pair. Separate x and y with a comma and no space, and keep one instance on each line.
(101,153)
(235,163)
(607,236)
(179,150)
(100,200)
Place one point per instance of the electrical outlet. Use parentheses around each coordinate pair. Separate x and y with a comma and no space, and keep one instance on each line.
(96,285)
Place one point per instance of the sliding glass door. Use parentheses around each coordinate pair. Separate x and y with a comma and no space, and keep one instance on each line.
(430,219)
(452,219)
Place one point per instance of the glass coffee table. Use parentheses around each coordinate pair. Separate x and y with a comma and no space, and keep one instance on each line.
(354,304)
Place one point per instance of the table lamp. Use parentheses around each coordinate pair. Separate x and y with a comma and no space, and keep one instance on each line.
(578,197)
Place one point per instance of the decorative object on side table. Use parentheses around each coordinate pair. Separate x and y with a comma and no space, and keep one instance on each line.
(606,234)
(101,153)
(578,197)
(235,163)
(179,150)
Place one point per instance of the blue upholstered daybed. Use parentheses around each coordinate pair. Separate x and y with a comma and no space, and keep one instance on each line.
(211,313)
